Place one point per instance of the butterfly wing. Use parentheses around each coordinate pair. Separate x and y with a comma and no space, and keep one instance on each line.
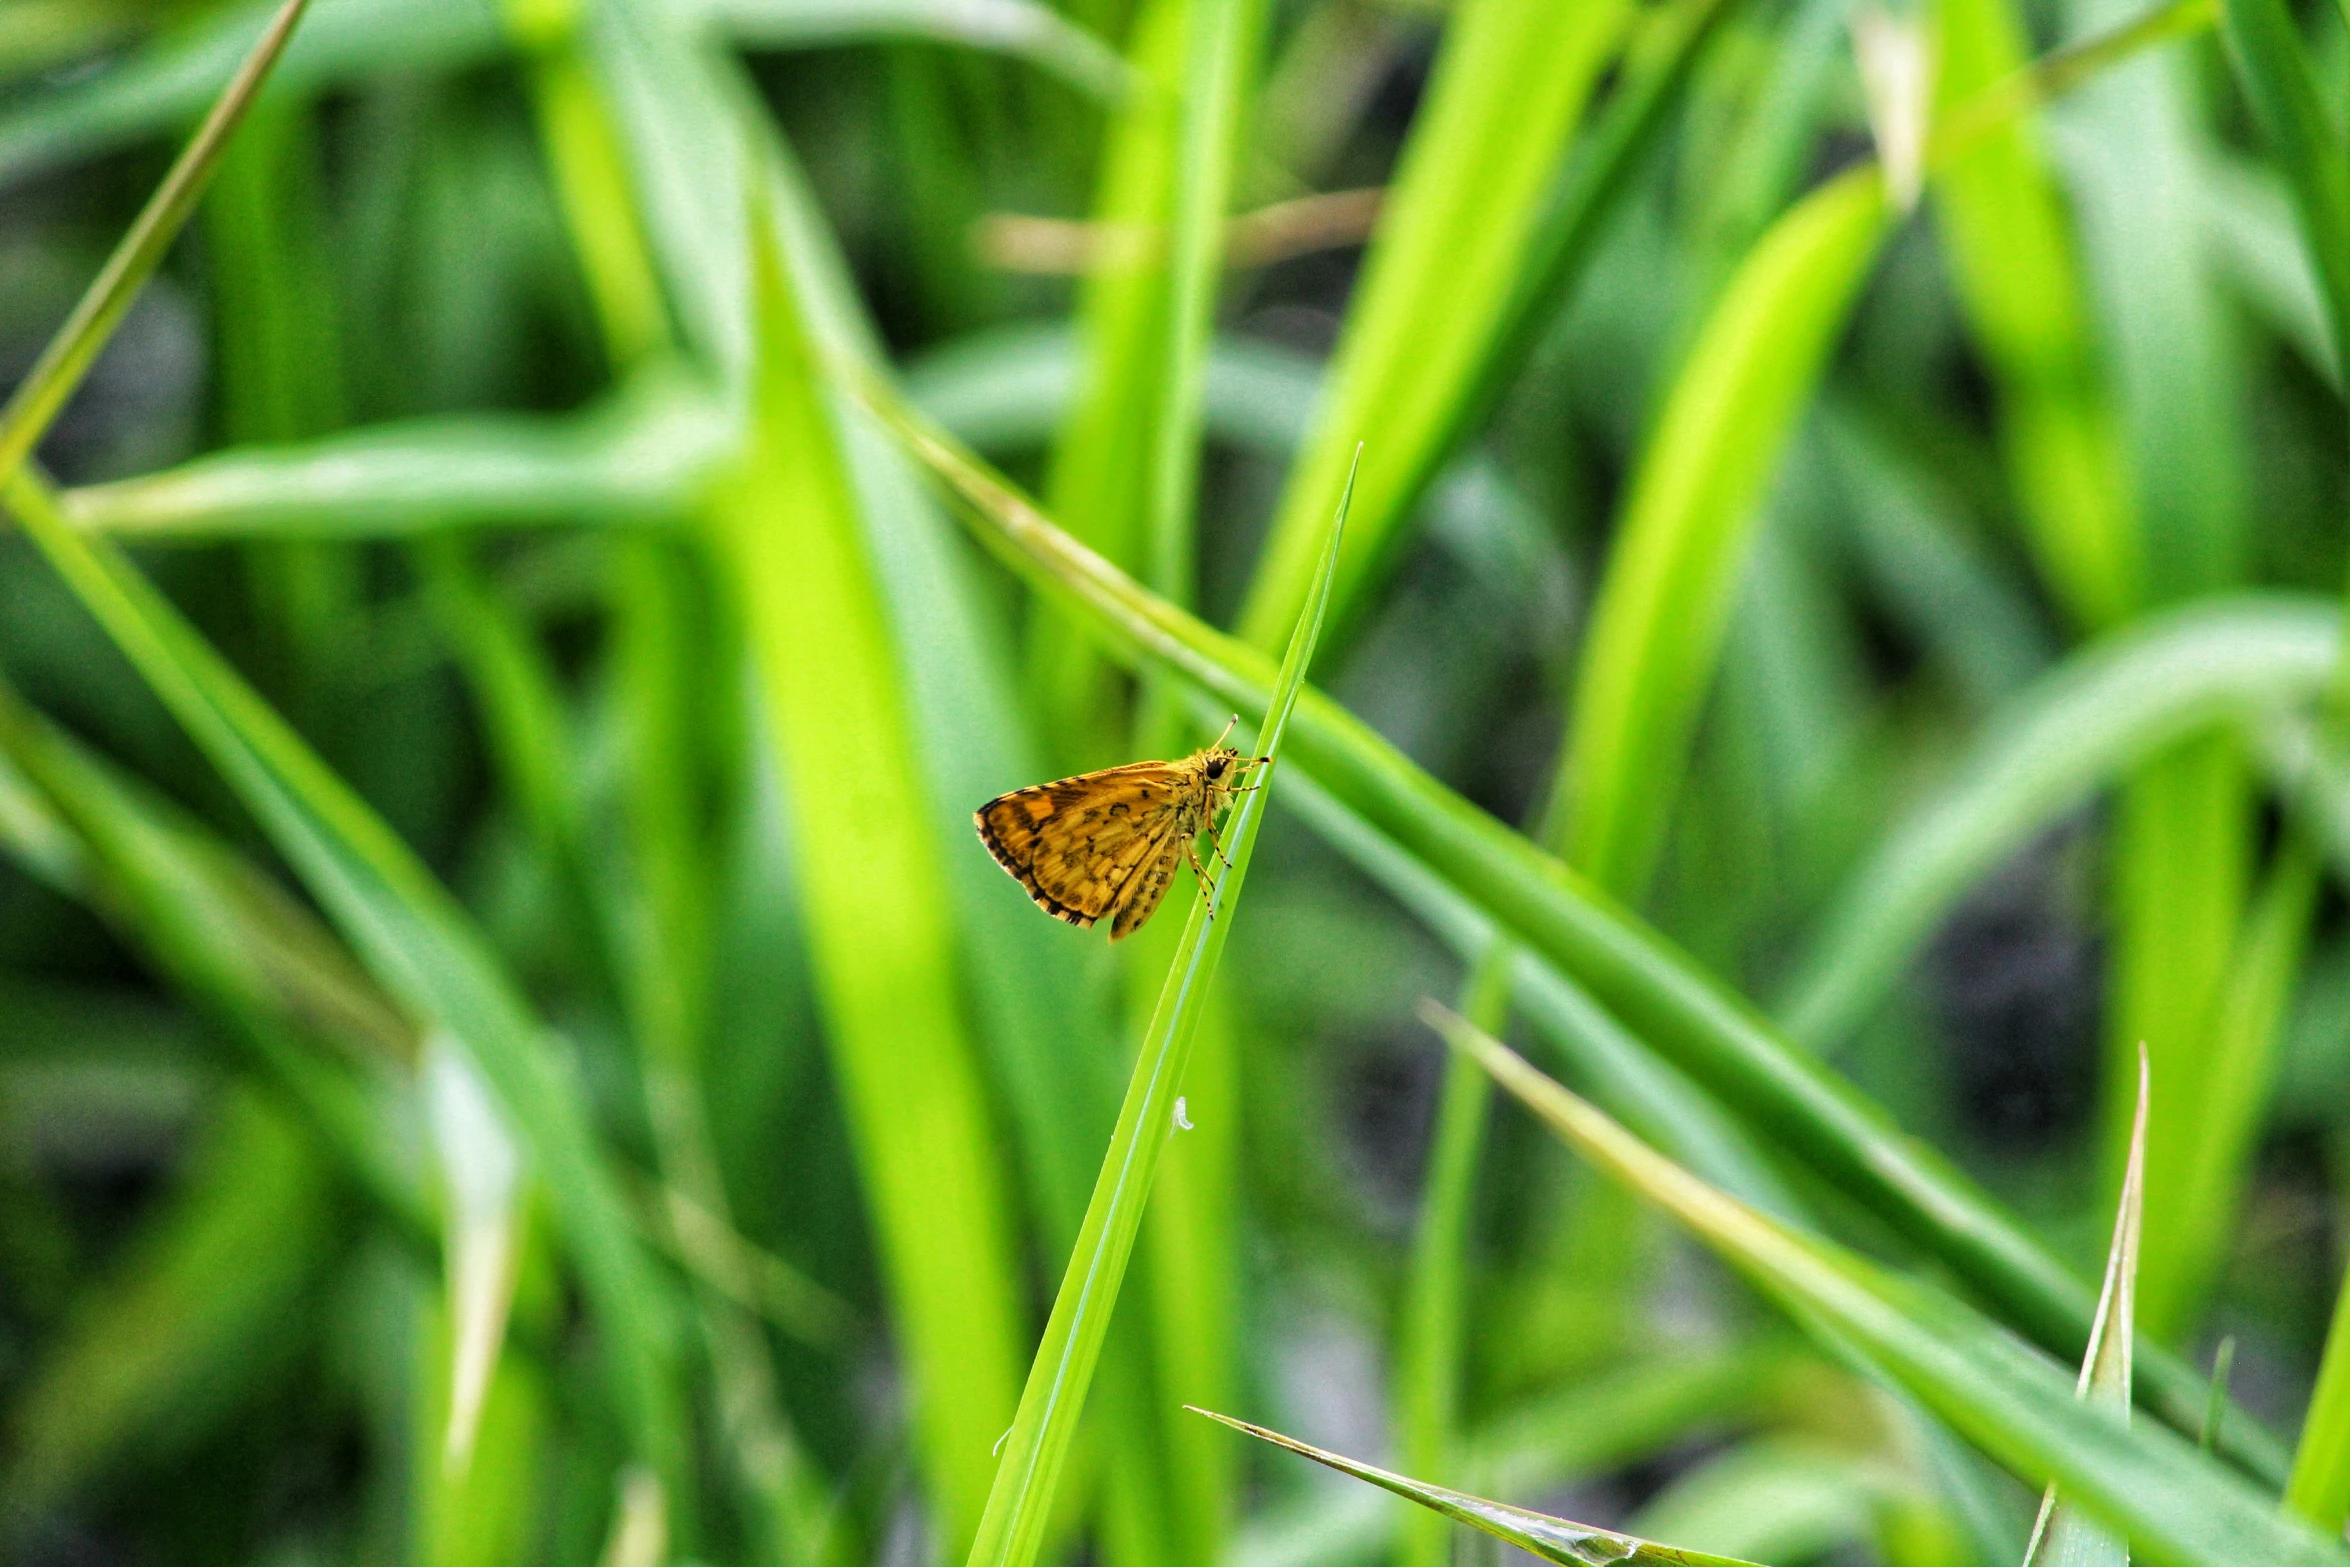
(1075,843)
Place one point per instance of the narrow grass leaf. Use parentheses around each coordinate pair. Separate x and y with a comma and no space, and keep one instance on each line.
(1670,1003)
(161,85)
(2319,1486)
(2086,724)
(1509,86)
(2018,277)
(2279,74)
(1037,1445)
(1659,619)
(643,456)
(876,902)
(2233,1102)
(43,392)
(2062,1536)
(1552,1539)
(2178,1507)
(1018,28)
(1126,468)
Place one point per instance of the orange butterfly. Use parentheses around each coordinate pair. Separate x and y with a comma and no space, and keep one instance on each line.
(1106,843)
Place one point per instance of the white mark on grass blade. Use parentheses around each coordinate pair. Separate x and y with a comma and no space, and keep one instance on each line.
(1897,73)
(481,1178)
(1182,1121)
(640,1521)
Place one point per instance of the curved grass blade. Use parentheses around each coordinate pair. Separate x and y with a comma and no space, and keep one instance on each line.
(161,84)
(1552,1539)
(1650,986)
(1034,1450)
(43,392)
(2179,1507)
(2319,1487)
(1661,614)
(2085,724)
(1018,28)
(228,935)
(641,457)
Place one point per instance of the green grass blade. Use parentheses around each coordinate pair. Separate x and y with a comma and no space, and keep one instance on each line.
(2233,1101)
(2182,851)
(2003,225)
(411,935)
(1651,987)
(1017,28)
(2180,1509)
(2279,75)
(1035,1449)
(191,1319)
(43,392)
(2319,1487)
(230,937)
(1126,469)
(163,84)
(1509,85)
(1664,607)
(642,457)
(1630,1082)
(1552,1539)
(2069,1537)
(2084,725)
(876,903)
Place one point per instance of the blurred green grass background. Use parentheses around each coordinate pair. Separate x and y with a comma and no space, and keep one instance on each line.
(510,1051)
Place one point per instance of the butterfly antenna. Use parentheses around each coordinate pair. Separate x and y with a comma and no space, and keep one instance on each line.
(1228,723)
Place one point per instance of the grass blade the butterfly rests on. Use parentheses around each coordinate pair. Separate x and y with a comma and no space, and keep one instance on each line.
(2177,1505)
(1038,1443)
(1552,1539)
(44,391)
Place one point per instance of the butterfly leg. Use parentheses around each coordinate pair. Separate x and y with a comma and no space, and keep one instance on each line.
(1207,883)
(1216,848)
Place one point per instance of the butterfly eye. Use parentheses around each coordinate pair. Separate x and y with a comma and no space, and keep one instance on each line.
(1215,767)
